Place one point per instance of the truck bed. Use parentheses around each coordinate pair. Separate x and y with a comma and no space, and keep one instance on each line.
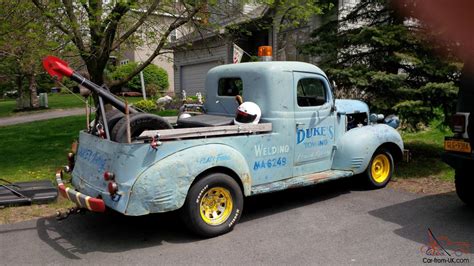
(182,133)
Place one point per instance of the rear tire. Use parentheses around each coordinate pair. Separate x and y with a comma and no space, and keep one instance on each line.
(139,122)
(213,205)
(380,169)
(464,187)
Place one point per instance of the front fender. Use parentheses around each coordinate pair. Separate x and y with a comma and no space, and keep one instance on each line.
(165,184)
(356,147)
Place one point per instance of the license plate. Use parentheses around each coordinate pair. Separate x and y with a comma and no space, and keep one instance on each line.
(459,145)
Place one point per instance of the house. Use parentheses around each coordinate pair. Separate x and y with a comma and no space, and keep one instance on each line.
(140,49)
(196,53)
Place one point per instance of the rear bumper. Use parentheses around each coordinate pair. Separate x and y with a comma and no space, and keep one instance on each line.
(458,161)
(83,201)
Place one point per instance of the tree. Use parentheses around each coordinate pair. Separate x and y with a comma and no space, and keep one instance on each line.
(388,59)
(98,28)
(23,42)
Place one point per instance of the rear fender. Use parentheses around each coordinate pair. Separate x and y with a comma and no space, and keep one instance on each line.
(356,147)
(164,185)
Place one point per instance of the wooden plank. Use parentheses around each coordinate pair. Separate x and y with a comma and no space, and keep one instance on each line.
(208,131)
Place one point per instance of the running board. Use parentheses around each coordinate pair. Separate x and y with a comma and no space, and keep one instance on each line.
(300,181)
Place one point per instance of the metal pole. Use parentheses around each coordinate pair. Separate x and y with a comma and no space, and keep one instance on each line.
(127,117)
(102,110)
(142,80)
(87,115)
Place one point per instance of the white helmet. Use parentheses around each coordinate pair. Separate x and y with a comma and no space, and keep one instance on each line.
(247,113)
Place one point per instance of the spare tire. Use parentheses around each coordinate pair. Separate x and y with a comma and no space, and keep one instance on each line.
(138,123)
(113,117)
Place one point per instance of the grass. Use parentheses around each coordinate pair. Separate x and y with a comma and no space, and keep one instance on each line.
(33,151)
(55,101)
(426,148)
(170,112)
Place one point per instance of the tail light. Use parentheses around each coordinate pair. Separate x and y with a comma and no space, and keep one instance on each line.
(458,123)
(112,187)
(70,163)
(108,176)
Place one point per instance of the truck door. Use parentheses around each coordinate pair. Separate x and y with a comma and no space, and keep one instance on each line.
(314,123)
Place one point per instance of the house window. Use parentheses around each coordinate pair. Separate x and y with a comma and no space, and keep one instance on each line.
(230,87)
(124,62)
(311,92)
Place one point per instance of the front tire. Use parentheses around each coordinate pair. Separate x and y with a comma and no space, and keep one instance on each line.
(464,187)
(380,169)
(213,205)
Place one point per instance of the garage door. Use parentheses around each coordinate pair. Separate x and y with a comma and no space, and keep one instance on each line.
(193,77)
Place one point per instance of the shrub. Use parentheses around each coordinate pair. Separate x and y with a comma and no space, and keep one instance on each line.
(152,74)
(146,105)
(152,90)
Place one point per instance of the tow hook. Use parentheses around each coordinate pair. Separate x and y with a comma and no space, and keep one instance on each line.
(63,215)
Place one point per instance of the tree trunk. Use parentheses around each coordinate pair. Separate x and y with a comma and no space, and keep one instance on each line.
(34,103)
(21,102)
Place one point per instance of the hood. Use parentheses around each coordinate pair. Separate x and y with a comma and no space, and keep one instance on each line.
(351,106)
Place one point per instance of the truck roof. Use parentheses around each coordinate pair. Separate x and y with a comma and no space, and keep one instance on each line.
(270,66)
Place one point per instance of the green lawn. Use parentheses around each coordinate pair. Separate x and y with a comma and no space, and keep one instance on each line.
(35,150)
(426,148)
(55,101)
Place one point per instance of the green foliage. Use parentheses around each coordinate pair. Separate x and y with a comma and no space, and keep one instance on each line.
(426,148)
(146,105)
(39,150)
(153,90)
(152,74)
(23,43)
(390,61)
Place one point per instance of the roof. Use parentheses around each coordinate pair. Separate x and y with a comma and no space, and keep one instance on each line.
(269,66)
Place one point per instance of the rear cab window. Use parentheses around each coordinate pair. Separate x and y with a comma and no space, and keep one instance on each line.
(230,87)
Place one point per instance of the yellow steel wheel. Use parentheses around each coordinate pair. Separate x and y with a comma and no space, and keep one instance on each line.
(380,169)
(216,206)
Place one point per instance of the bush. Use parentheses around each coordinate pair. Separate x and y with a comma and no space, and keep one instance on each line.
(146,105)
(152,90)
(152,74)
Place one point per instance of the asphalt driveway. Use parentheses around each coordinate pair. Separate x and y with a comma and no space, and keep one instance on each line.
(333,223)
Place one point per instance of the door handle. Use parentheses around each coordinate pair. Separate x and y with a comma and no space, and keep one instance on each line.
(298,124)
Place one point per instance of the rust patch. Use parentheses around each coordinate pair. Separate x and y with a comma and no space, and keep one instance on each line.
(247,183)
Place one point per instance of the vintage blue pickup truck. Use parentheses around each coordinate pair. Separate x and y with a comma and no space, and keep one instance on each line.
(205,165)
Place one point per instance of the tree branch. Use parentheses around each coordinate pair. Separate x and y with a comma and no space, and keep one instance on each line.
(52,18)
(74,24)
(176,24)
(137,25)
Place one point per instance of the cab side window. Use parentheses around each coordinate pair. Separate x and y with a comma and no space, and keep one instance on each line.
(310,92)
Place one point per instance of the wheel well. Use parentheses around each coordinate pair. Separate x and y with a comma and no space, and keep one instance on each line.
(394,150)
(224,170)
